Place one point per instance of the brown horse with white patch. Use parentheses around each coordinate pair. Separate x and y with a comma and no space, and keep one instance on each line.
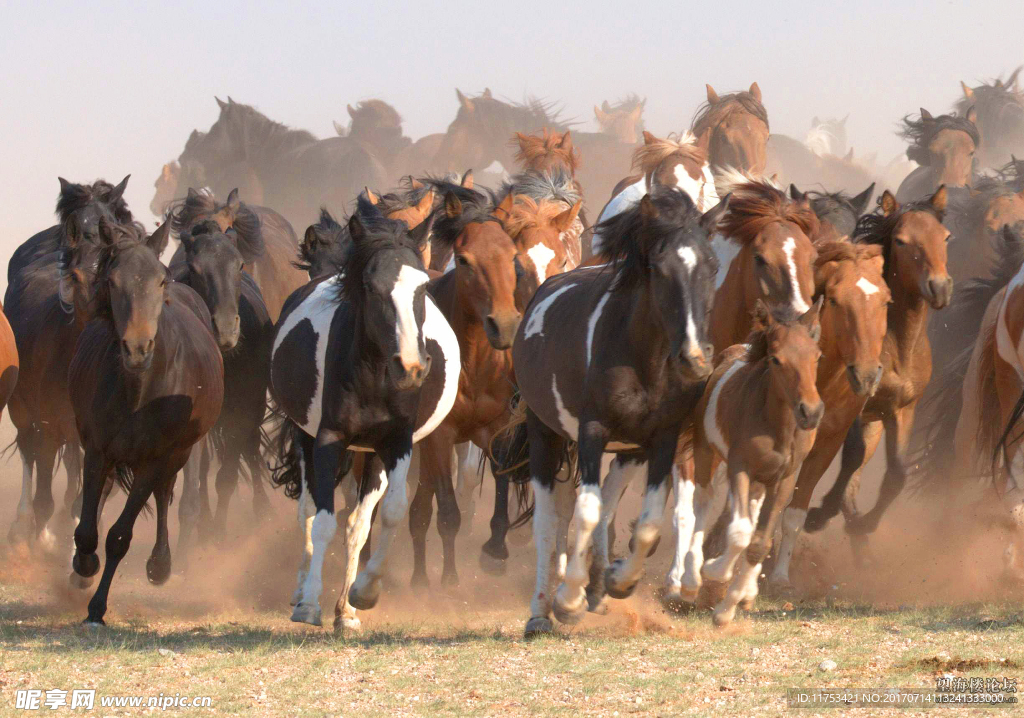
(913,242)
(739,130)
(759,414)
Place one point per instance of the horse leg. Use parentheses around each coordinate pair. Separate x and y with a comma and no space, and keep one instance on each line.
(373,483)
(859,437)
(73,491)
(119,538)
(305,516)
(545,456)
(622,576)
(684,581)
(22,529)
(422,507)
(189,504)
(469,477)
(42,504)
(226,483)
(449,518)
(739,532)
(204,451)
(326,452)
(365,592)
(494,552)
(897,438)
(623,469)
(158,565)
(85,562)
(257,473)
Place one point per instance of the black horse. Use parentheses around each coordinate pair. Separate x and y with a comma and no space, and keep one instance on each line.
(146,384)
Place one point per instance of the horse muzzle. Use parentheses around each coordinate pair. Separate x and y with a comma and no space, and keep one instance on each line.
(697,361)
(137,356)
(501,328)
(409,375)
(809,416)
(864,382)
(938,291)
(227,339)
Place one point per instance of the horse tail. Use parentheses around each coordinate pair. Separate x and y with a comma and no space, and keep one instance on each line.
(1002,446)
(288,471)
(509,452)
(941,408)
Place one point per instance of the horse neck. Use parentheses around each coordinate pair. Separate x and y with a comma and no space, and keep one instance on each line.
(731,314)
(468,328)
(907,318)
(647,334)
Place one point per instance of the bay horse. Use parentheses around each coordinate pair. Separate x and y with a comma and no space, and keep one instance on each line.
(362,360)
(265,240)
(214,269)
(478,300)
(853,329)
(739,130)
(146,384)
(913,242)
(945,147)
(1000,108)
(759,415)
(624,380)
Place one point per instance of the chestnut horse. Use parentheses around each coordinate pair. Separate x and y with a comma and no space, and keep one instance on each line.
(146,384)
(759,415)
(8,361)
(944,146)
(478,300)
(739,130)
(913,242)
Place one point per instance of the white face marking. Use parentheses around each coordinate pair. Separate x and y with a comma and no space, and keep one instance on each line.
(689,257)
(789,246)
(711,197)
(592,323)
(535,315)
(712,427)
(725,251)
(541,255)
(407,333)
(867,287)
(569,423)
(693,187)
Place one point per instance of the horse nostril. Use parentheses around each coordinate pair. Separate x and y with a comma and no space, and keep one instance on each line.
(149,346)
(491,326)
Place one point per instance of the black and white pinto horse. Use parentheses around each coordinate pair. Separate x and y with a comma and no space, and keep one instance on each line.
(362,360)
(614,357)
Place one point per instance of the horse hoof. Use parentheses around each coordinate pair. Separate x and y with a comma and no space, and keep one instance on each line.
(86,565)
(306,613)
(78,583)
(614,586)
(816,520)
(341,625)
(566,613)
(364,594)
(450,580)
(538,626)
(747,603)
(158,569)
(46,541)
(711,593)
(723,618)
(597,604)
(21,530)
(420,581)
(491,565)
(677,600)
(716,570)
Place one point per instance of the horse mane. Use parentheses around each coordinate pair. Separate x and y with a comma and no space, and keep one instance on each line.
(920,132)
(825,202)
(527,213)
(476,207)
(993,98)
(532,114)
(557,185)
(631,240)
(626,104)
(326,236)
(647,157)
(819,140)
(77,196)
(533,148)
(381,234)
(709,114)
(757,340)
(757,203)
(259,135)
(399,200)
(1012,174)
(876,228)
(375,113)
(198,206)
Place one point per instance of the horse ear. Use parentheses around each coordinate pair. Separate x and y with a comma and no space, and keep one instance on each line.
(159,239)
(649,139)
(452,205)
(810,318)
(601,115)
(487,93)
(712,95)
(938,200)
(504,210)
(374,199)
(755,90)
(647,209)
(926,115)
(710,219)
(466,103)
(860,202)
(65,186)
(421,232)
(426,202)
(704,141)
(565,219)
(415,183)
(351,111)
(467,179)
(605,107)
(888,204)
(118,191)
(795,194)
(843,121)
(339,128)
(637,112)
(972,116)
(220,103)
(1011,81)
(968,92)
(233,203)
(356,230)
(566,143)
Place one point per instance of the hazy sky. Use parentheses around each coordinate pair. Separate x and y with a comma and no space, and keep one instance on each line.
(104,89)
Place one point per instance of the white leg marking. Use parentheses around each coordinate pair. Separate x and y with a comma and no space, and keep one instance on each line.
(691,502)
(541,255)
(403,293)
(615,484)
(625,574)
(392,511)
(469,478)
(792,523)
(588,511)
(789,246)
(355,538)
(592,323)
(305,516)
(565,497)
(24,512)
(322,531)
(535,317)
(544,538)
(737,539)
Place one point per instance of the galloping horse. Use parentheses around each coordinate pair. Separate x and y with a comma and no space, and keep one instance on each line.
(146,384)
(837,212)
(944,146)
(1000,108)
(739,130)
(624,380)
(362,360)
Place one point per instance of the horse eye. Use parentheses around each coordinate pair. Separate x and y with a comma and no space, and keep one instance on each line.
(774,360)
(899,241)
(461,261)
(833,302)
(759,258)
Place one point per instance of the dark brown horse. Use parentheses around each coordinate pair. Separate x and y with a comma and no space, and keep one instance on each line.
(378,126)
(265,240)
(146,384)
(739,130)
(1000,107)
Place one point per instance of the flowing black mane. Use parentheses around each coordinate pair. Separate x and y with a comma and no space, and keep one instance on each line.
(555,185)
(632,239)
(476,207)
(996,99)
(325,244)
(118,238)
(74,197)
(380,235)
(920,132)
(876,228)
(198,206)
(404,199)
(252,136)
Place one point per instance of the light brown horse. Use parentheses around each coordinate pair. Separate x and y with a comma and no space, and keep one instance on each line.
(739,130)
(913,242)
(623,120)
(548,152)
(774,259)
(759,414)
(8,361)
(945,147)
(478,300)
(853,327)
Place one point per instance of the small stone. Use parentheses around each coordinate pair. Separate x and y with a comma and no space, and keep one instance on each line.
(827,665)
(942,657)
(755,651)
(166,652)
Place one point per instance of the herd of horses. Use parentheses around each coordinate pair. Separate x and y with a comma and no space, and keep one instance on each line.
(723,337)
